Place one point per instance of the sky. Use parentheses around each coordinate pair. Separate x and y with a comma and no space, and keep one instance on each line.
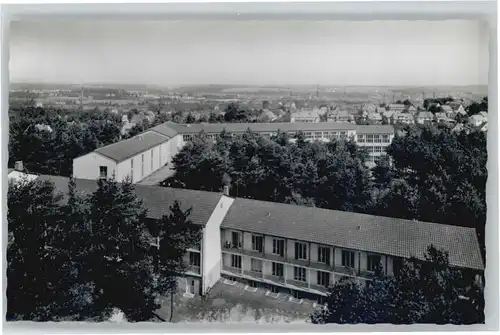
(369,53)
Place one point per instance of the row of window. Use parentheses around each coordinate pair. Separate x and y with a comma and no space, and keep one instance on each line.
(299,273)
(372,149)
(373,138)
(301,251)
(307,134)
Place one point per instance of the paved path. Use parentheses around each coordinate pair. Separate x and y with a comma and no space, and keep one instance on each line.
(157,176)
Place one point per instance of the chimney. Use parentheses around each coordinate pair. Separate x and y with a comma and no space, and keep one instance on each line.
(226,190)
(18,166)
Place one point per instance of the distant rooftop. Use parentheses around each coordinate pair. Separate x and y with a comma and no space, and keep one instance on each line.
(125,149)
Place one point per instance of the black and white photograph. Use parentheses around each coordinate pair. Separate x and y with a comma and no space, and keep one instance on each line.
(247,172)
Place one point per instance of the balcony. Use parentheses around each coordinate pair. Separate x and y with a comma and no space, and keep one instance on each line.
(254,274)
(232,270)
(276,279)
(320,288)
(297,283)
(229,247)
(193,269)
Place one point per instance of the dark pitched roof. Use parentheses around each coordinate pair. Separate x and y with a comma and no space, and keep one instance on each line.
(166,129)
(390,236)
(156,199)
(125,149)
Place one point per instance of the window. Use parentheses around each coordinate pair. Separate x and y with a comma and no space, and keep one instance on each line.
(385,138)
(235,239)
(317,134)
(324,255)
(299,273)
(377,138)
(291,134)
(194,258)
(279,247)
(334,134)
(343,134)
(378,149)
(369,138)
(348,259)
(256,265)
(308,134)
(236,261)
(325,134)
(152,160)
(300,250)
(361,138)
(257,243)
(277,269)
(323,278)
(373,262)
(186,137)
(103,172)
(142,165)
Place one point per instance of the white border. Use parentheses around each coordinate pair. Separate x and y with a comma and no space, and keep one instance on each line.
(236,10)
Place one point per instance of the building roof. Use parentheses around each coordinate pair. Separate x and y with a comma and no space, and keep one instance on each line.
(425,114)
(397,106)
(156,199)
(375,129)
(125,149)
(257,127)
(389,236)
(446,108)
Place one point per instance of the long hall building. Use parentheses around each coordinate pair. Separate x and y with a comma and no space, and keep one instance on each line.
(142,155)
(293,249)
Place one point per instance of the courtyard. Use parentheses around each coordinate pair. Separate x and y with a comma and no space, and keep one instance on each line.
(232,302)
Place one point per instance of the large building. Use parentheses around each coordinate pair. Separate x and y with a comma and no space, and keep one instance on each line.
(140,156)
(294,249)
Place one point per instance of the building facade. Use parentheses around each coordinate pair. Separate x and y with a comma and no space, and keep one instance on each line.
(142,155)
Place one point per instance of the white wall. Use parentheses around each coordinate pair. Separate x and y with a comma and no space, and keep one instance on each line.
(211,244)
(87,166)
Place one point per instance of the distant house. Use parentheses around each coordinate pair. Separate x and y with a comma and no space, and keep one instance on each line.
(424,117)
(310,116)
(446,109)
(370,108)
(441,117)
(267,116)
(340,117)
(375,118)
(402,118)
(397,107)
(412,109)
(477,120)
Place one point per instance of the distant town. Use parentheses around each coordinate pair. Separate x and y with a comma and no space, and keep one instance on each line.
(359,105)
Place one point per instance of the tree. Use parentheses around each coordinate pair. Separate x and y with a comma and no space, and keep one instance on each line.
(430,165)
(176,233)
(122,269)
(423,291)
(39,270)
